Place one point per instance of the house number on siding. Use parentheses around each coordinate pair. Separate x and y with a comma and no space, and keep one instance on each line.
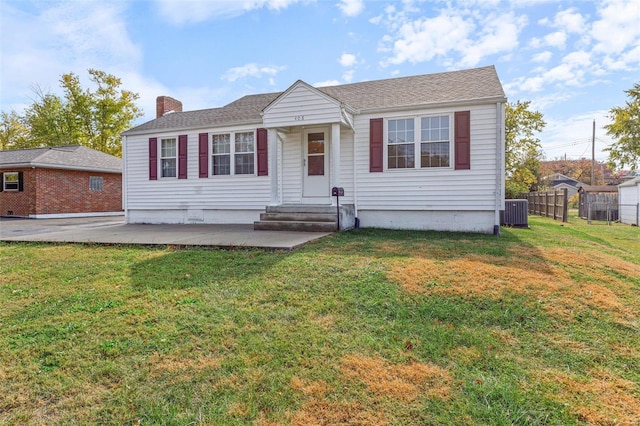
(298,117)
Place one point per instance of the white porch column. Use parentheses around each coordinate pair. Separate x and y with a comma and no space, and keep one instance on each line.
(335,156)
(272,138)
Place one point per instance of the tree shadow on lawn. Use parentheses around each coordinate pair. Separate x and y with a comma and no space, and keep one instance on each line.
(191,268)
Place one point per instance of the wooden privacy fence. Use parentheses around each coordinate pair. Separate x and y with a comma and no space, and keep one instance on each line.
(549,203)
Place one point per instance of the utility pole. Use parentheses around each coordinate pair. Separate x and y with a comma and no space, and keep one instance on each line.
(593,154)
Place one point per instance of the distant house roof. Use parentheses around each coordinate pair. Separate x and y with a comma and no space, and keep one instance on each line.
(556,179)
(73,157)
(632,182)
(478,84)
(598,188)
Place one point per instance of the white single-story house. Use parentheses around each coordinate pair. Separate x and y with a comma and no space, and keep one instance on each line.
(629,199)
(419,152)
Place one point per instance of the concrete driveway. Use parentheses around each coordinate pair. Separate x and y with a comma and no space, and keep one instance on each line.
(113,230)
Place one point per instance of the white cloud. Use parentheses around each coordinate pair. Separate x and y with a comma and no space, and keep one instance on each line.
(571,21)
(542,56)
(499,34)
(618,27)
(62,38)
(351,7)
(423,39)
(556,39)
(180,12)
(471,36)
(327,83)
(347,76)
(347,60)
(250,70)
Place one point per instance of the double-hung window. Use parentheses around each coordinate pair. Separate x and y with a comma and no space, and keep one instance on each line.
(168,157)
(434,141)
(244,149)
(237,158)
(11,181)
(401,144)
(221,154)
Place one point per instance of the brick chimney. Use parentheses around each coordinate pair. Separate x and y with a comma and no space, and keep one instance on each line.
(165,104)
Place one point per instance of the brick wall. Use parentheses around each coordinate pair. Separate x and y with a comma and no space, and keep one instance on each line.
(67,191)
(19,203)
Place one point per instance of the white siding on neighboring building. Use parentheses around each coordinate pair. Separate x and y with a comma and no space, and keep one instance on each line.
(629,199)
(302,106)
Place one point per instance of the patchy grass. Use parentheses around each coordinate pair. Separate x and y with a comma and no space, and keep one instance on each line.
(368,327)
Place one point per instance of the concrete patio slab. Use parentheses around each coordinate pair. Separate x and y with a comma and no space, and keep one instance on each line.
(113,230)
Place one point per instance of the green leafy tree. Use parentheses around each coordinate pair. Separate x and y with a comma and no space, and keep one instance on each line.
(523,150)
(13,131)
(82,116)
(625,128)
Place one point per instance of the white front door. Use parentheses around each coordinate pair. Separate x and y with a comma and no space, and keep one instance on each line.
(316,164)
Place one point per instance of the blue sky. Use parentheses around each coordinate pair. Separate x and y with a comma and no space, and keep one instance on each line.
(572,60)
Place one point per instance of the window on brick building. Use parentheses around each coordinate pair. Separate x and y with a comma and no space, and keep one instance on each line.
(11,181)
(96,183)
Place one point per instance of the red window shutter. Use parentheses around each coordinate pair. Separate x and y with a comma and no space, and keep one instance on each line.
(462,138)
(263,153)
(153,158)
(203,155)
(182,157)
(376,144)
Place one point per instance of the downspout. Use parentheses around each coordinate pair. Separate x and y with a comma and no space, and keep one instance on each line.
(125,176)
(355,173)
(499,167)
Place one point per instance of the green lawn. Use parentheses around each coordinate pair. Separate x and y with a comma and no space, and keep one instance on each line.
(539,326)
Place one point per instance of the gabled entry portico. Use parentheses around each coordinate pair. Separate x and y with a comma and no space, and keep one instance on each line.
(305,128)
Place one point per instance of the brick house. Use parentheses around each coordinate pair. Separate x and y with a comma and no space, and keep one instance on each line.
(61,181)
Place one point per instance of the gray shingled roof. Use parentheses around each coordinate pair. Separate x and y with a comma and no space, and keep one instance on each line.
(73,157)
(447,87)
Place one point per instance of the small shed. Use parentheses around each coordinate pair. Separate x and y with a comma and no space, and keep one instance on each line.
(629,196)
(598,202)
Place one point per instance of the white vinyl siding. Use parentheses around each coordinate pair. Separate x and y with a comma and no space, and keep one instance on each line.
(432,188)
(292,167)
(229,193)
(302,106)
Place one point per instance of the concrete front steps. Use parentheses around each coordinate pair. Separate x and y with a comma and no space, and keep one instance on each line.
(305,218)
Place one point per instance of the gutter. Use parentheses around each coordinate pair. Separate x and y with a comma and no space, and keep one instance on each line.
(124,178)
(480,101)
(500,146)
(58,166)
(191,128)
